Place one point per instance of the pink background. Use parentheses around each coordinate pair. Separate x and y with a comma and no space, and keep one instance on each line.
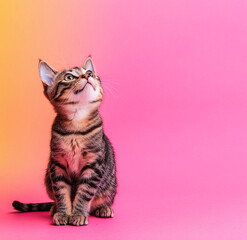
(175,109)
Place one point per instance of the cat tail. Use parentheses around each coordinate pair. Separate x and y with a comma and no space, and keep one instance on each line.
(32,207)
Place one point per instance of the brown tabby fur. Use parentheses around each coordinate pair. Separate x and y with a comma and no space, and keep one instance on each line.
(81,173)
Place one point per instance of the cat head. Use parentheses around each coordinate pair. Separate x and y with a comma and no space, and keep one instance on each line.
(74,90)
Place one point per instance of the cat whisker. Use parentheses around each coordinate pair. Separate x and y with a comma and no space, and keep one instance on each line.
(109,86)
(110,81)
(107,89)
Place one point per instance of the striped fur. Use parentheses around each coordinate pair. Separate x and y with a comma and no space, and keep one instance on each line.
(32,207)
(81,173)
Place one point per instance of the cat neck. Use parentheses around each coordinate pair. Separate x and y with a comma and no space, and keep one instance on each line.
(78,120)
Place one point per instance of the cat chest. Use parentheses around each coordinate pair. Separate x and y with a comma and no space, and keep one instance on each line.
(75,155)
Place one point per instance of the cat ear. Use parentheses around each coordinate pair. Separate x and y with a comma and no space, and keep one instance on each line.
(88,64)
(46,73)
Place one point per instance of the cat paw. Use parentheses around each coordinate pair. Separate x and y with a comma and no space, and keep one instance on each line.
(60,219)
(78,220)
(104,212)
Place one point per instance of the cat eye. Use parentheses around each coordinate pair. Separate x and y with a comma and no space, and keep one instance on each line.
(90,73)
(68,77)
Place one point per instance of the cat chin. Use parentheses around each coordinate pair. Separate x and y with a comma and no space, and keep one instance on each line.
(87,95)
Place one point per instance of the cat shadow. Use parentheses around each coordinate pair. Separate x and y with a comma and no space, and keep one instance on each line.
(32,215)
(44,217)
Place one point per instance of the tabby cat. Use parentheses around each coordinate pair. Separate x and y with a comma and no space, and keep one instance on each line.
(81,173)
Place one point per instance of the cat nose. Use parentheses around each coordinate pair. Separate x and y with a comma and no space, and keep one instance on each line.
(84,76)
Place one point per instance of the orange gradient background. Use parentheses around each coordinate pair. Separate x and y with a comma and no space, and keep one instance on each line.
(61,33)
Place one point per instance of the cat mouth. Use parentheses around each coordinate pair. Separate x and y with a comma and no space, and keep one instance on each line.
(80,90)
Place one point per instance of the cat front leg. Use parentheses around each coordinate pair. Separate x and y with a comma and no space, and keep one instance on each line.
(88,184)
(61,187)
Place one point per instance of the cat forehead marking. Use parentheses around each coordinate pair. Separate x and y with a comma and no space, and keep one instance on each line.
(76,71)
